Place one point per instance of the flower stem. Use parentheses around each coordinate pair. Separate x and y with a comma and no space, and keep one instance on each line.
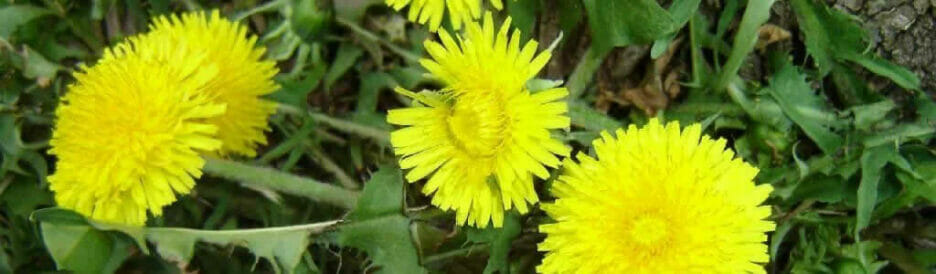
(379,135)
(281,181)
(461,252)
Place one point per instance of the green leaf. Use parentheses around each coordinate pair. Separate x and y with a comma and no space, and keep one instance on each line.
(353,10)
(620,23)
(78,247)
(835,36)
(523,13)
(383,195)
(867,115)
(805,108)
(900,134)
(500,240)
(308,21)
(828,32)
(65,231)
(865,253)
(873,161)
(682,11)
(777,238)
(820,188)
(11,17)
(903,77)
(35,66)
(295,92)
(345,58)
(21,197)
(377,225)
(365,111)
(755,15)
(584,116)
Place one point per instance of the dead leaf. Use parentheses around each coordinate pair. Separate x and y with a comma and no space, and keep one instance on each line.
(769,34)
(654,92)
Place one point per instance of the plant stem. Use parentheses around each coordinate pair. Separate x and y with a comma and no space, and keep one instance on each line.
(281,181)
(326,163)
(409,56)
(379,135)
(458,252)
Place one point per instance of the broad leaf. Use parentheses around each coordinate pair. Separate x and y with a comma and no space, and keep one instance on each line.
(377,225)
(620,23)
(805,107)
(65,232)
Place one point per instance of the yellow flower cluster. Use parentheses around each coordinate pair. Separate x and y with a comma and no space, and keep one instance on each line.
(130,132)
(655,199)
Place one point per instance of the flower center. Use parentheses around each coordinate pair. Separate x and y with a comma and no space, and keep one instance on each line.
(648,230)
(479,124)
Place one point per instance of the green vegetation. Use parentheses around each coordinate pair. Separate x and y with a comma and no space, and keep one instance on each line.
(853,163)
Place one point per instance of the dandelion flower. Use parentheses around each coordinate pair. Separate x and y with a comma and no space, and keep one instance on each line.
(129,133)
(242,80)
(657,200)
(431,11)
(483,137)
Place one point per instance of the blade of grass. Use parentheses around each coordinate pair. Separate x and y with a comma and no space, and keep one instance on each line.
(755,15)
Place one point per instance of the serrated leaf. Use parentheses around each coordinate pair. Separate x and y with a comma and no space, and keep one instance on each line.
(378,227)
(835,36)
(620,23)
(828,32)
(64,230)
(873,161)
(801,104)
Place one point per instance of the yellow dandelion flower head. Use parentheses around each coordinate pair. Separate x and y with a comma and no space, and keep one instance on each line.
(431,11)
(657,200)
(243,76)
(482,138)
(129,133)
